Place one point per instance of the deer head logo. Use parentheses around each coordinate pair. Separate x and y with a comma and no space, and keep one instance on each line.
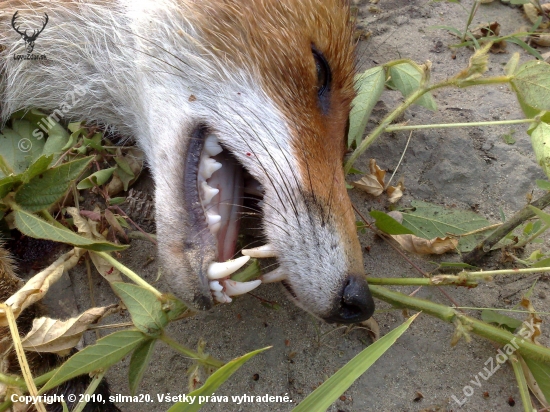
(29,39)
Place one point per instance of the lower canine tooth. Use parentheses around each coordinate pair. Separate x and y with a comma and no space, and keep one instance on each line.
(265,251)
(274,276)
(218,270)
(234,288)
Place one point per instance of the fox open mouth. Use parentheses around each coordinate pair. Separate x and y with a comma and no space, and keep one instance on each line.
(218,183)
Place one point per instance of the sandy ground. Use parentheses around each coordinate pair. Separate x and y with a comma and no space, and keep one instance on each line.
(470,168)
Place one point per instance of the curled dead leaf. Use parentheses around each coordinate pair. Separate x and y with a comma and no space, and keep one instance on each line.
(533,14)
(372,327)
(39,284)
(134,158)
(395,192)
(436,246)
(372,183)
(56,336)
(88,228)
(111,219)
(534,320)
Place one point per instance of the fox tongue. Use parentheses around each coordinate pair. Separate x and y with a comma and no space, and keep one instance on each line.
(229,181)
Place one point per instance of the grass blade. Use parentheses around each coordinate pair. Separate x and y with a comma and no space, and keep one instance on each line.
(322,397)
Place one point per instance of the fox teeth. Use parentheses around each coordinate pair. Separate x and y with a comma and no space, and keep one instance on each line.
(213,219)
(218,270)
(208,192)
(234,288)
(222,297)
(274,276)
(215,286)
(208,166)
(265,251)
(211,146)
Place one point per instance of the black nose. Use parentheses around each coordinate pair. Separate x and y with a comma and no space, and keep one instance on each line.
(355,304)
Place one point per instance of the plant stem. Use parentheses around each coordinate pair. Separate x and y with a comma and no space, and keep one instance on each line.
(49,218)
(189,353)
(128,272)
(484,273)
(522,383)
(532,237)
(410,100)
(450,315)
(96,380)
(449,280)
(450,125)
(486,244)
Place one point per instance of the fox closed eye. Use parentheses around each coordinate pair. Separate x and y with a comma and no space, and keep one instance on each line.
(324,77)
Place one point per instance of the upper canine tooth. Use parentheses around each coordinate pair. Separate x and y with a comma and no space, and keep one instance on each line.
(211,145)
(208,192)
(274,276)
(218,270)
(234,288)
(212,219)
(265,251)
(208,166)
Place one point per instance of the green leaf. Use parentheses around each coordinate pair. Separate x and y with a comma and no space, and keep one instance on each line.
(454,265)
(452,29)
(30,142)
(540,139)
(406,78)
(250,272)
(144,307)
(96,179)
(541,373)
(370,86)
(116,200)
(124,177)
(545,217)
(39,165)
(532,83)
(106,352)
(429,221)
(44,190)
(543,263)
(6,184)
(138,364)
(214,382)
(322,397)
(492,316)
(94,142)
(543,184)
(33,226)
(532,51)
(14,160)
(512,64)
(388,224)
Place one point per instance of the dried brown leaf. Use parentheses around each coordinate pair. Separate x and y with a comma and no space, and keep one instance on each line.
(395,192)
(369,184)
(436,246)
(39,284)
(134,157)
(533,319)
(112,220)
(373,328)
(88,228)
(56,336)
(533,14)
(372,183)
